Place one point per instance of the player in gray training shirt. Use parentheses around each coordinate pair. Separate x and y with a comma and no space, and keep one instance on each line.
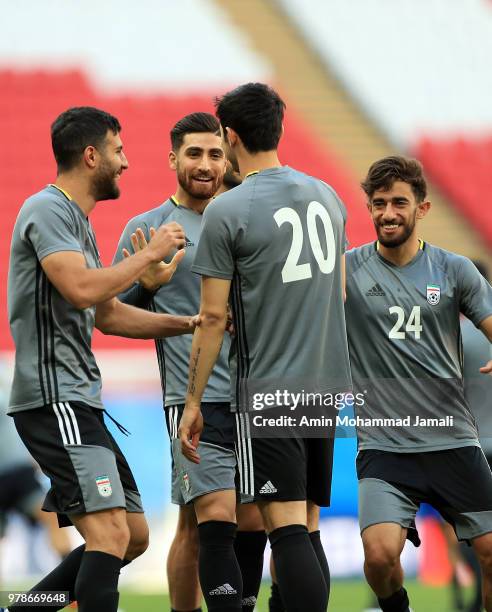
(275,245)
(199,162)
(417,436)
(58,291)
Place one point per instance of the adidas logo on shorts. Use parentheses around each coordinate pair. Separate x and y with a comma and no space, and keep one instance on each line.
(268,488)
(377,291)
(249,601)
(225,589)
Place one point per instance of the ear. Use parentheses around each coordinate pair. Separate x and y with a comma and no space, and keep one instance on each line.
(422,209)
(172,160)
(231,137)
(90,156)
(369,207)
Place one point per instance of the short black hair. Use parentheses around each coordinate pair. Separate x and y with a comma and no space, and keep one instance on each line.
(193,124)
(384,172)
(255,112)
(77,128)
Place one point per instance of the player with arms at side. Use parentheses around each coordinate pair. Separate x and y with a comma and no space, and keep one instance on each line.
(198,159)
(58,291)
(404,297)
(289,323)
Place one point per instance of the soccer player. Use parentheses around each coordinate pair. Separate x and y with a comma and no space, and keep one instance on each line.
(261,245)
(57,292)
(198,159)
(417,437)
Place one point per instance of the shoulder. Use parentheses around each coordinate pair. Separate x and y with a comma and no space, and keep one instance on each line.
(231,204)
(44,204)
(358,256)
(47,197)
(449,262)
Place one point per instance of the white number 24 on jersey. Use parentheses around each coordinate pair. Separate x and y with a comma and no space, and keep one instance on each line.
(292,270)
(413,323)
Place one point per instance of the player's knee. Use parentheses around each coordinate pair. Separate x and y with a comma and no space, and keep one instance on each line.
(379,558)
(112,537)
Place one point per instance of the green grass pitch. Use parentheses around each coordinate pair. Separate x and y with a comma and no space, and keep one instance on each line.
(346,596)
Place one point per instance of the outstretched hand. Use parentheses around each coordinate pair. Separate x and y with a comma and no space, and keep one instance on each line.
(156,274)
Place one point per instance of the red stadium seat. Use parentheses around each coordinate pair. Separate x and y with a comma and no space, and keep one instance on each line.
(31,100)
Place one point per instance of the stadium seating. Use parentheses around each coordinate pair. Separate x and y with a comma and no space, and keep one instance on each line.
(463,169)
(32,99)
(425,83)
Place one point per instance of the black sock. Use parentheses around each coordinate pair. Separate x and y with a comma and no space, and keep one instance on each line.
(398,602)
(301,589)
(62,578)
(96,588)
(249,547)
(315,537)
(275,603)
(220,576)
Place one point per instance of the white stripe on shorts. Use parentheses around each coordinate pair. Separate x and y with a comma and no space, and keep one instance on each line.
(60,424)
(75,425)
(63,411)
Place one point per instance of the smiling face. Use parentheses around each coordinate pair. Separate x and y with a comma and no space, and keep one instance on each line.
(111,163)
(394,213)
(200,164)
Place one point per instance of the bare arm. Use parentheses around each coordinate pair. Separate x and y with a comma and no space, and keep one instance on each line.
(205,349)
(117,319)
(486,328)
(84,287)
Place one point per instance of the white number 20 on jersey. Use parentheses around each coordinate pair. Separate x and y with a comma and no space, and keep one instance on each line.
(292,270)
(413,323)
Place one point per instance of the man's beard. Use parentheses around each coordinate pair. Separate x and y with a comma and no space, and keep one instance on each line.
(104,186)
(392,242)
(206,192)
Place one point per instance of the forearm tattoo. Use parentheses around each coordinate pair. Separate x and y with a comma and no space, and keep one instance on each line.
(193,372)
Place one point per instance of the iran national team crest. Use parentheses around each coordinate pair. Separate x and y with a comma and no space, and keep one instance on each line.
(433,294)
(186,482)
(104,486)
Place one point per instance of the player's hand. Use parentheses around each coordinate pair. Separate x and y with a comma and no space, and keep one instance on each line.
(190,429)
(195,321)
(487,368)
(156,274)
(164,240)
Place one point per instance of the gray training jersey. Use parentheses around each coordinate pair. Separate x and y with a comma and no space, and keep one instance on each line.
(280,237)
(53,360)
(477,351)
(405,347)
(179,297)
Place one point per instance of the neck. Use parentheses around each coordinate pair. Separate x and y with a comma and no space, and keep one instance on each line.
(78,190)
(402,254)
(256,162)
(187,201)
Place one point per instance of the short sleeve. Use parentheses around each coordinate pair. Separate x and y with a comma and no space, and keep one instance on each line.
(215,252)
(50,228)
(475,293)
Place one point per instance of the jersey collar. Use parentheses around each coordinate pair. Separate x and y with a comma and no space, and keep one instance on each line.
(65,193)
